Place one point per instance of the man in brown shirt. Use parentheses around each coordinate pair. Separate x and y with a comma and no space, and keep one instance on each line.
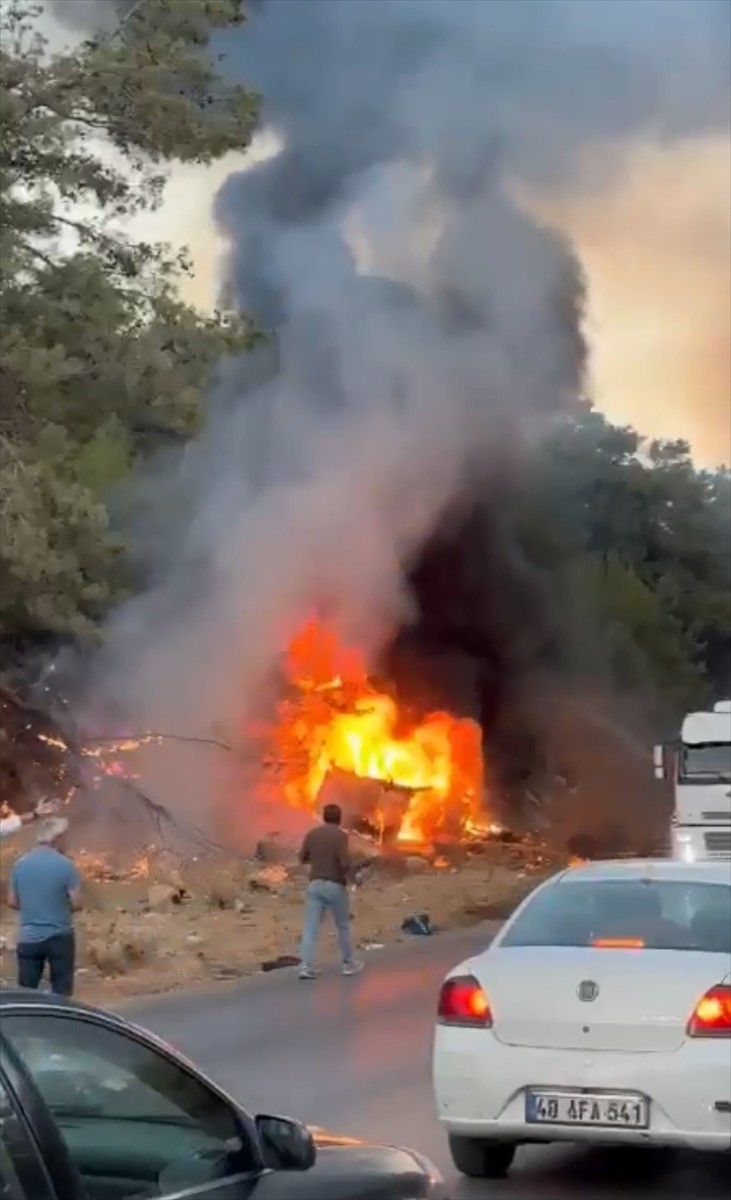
(325,850)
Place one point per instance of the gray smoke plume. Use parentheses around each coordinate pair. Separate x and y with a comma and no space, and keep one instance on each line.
(428,332)
(90,16)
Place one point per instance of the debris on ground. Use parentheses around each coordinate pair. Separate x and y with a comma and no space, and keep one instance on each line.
(274,849)
(283,960)
(161,921)
(418,926)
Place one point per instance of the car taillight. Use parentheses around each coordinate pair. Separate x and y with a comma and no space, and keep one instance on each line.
(463,1002)
(711,1016)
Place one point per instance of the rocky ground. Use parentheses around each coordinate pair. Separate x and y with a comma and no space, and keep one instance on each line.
(164,922)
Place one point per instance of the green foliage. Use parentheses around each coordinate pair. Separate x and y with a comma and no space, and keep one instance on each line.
(639,546)
(59,561)
(99,359)
(643,642)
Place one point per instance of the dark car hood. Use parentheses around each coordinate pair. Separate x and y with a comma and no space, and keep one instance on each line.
(348,1169)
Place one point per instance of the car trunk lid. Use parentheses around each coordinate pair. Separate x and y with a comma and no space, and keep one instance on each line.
(586,998)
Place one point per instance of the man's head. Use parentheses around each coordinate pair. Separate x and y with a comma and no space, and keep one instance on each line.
(52,832)
(332,814)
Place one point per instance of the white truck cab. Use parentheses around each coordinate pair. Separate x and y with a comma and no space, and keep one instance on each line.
(699,767)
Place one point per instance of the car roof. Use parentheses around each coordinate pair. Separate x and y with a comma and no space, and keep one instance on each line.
(649,868)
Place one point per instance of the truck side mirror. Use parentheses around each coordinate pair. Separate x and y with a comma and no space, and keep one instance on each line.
(658,754)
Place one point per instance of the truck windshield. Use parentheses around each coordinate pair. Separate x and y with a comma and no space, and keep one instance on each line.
(710,762)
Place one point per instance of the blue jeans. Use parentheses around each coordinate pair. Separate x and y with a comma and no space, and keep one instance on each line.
(323,896)
(59,952)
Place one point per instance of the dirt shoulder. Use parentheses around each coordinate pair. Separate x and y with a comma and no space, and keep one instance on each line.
(171,925)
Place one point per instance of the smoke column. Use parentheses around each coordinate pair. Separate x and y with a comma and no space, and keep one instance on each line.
(428,331)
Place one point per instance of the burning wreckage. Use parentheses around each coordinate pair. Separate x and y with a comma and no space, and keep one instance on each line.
(410,786)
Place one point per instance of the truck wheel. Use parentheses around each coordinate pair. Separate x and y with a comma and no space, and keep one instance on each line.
(481,1159)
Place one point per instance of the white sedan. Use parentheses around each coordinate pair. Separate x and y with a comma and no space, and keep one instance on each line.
(601,1013)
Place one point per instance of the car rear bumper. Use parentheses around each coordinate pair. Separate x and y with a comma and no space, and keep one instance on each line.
(480,1087)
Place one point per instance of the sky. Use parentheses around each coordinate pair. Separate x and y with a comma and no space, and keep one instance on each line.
(656,249)
(654,242)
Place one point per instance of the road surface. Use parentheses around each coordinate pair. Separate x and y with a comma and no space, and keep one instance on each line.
(353,1055)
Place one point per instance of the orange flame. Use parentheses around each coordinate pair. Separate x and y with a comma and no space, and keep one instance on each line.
(336,719)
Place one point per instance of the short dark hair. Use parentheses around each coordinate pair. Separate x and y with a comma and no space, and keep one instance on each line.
(332,814)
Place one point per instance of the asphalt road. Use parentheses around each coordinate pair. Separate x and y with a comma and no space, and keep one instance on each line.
(352,1055)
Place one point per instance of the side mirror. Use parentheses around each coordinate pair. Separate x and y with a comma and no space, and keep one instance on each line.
(658,755)
(286,1145)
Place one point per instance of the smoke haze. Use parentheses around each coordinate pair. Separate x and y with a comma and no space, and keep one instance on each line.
(429,325)
(656,247)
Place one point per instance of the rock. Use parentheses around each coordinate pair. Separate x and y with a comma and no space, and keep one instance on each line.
(159,895)
(164,864)
(269,879)
(273,849)
(276,874)
(108,957)
(393,866)
(222,893)
(415,864)
(135,950)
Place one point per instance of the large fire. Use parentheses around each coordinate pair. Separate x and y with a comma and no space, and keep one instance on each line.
(335,720)
(409,778)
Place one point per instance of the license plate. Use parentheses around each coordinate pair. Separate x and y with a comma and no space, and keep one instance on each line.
(587,1108)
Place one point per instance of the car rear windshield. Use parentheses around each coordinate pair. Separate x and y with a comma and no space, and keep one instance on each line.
(627,913)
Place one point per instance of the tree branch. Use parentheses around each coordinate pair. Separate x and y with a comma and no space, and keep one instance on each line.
(160,737)
(36,252)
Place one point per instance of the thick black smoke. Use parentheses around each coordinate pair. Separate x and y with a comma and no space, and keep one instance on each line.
(427,332)
(473,94)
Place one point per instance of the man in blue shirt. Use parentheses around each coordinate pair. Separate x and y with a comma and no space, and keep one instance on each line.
(45,887)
